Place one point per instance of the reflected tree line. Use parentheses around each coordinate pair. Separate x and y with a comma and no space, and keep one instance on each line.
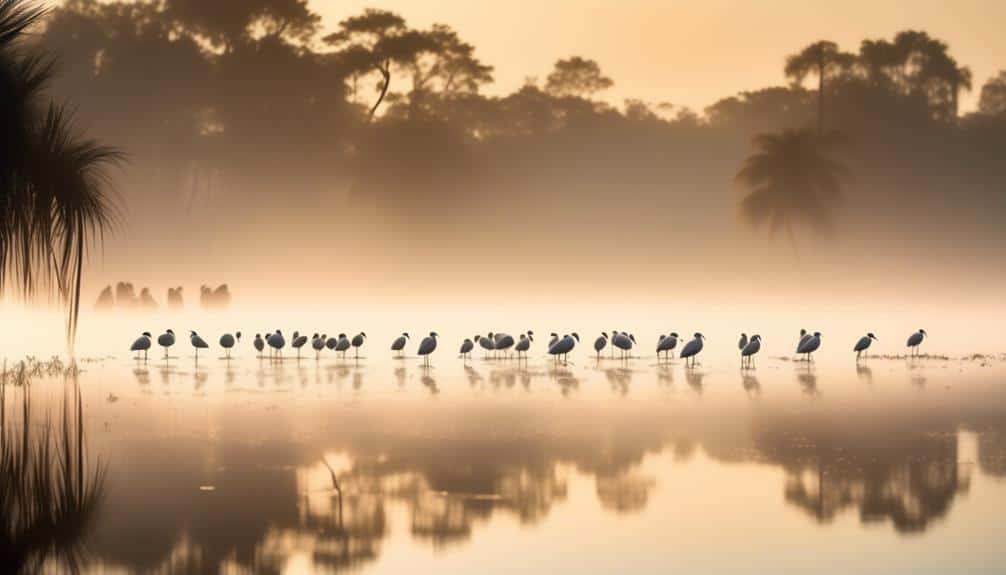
(251,98)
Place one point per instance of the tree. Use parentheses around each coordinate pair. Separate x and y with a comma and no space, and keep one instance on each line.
(226,24)
(993,98)
(53,183)
(821,59)
(576,77)
(791,178)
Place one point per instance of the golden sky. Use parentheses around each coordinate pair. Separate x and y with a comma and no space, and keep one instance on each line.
(692,52)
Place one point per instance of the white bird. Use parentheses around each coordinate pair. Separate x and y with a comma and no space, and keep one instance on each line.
(600,343)
(343,344)
(357,342)
(428,346)
(227,341)
(810,345)
(668,343)
(503,342)
(298,342)
(277,342)
(915,340)
(197,342)
(318,345)
(564,345)
(743,342)
(524,344)
(864,344)
(259,344)
(751,348)
(399,344)
(166,340)
(467,346)
(622,341)
(142,343)
(693,348)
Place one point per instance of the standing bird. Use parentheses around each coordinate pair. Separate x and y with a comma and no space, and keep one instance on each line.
(804,336)
(166,340)
(343,344)
(227,341)
(318,345)
(524,344)
(428,346)
(915,340)
(467,346)
(198,343)
(743,342)
(399,344)
(486,343)
(563,346)
(259,344)
(142,343)
(622,341)
(864,344)
(277,342)
(298,342)
(667,344)
(749,350)
(693,348)
(503,342)
(554,338)
(331,343)
(600,343)
(809,345)
(357,342)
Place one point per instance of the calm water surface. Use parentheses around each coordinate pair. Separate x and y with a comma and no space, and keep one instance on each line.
(382,465)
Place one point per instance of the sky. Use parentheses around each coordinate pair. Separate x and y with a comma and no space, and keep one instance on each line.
(691,53)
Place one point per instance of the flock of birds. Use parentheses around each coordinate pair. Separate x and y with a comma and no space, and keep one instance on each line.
(273,344)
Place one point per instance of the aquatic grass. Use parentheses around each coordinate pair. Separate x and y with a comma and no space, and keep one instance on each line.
(48,495)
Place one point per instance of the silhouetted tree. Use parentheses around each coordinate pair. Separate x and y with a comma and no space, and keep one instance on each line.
(791,178)
(822,59)
(577,77)
(993,98)
(53,182)
(227,24)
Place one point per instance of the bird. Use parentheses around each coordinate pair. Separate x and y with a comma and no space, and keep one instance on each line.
(622,341)
(804,336)
(197,342)
(318,345)
(864,344)
(343,344)
(467,346)
(428,346)
(600,343)
(142,343)
(524,344)
(357,342)
(399,344)
(277,342)
(503,342)
(743,341)
(915,340)
(564,345)
(227,341)
(554,338)
(298,342)
(331,343)
(259,344)
(486,343)
(693,348)
(751,348)
(668,343)
(809,345)
(166,340)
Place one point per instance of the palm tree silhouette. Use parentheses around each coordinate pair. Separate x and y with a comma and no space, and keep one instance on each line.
(792,178)
(54,184)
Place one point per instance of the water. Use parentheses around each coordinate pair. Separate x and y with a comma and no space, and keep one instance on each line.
(895,466)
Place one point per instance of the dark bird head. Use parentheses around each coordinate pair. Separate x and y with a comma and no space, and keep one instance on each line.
(530,333)
(923,332)
(146,334)
(364,335)
(632,338)
(192,333)
(553,334)
(699,336)
(490,336)
(342,335)
(660,338)
(278,332)
(675,335)
(315,336)
(406,334)
(803,332)
(258,336)
(576,335)
(756,337)
(743,334)
(604,334)
(296,334)
(434,334)
(871,336)
(171,332)
(817,334)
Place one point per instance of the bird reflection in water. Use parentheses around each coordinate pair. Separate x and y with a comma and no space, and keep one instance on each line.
(428,381)
(619,378)
(751,384)
(565,379)
(142,375)
(401,374)
(665,375)
(694,379)
(475,378)
(864,373)
(808,380)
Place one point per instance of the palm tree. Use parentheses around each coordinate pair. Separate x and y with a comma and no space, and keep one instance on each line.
(792,178)
(821,59)
(54,200)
